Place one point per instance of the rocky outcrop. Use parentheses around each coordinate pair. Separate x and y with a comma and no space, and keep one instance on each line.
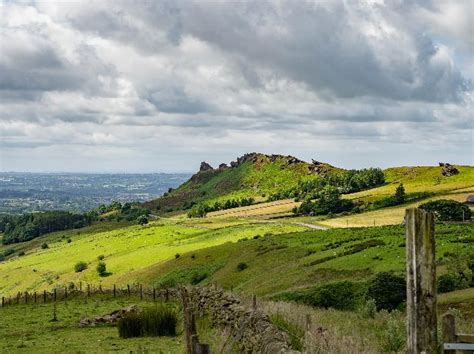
(448,170)
(317,167)
(251,330)
(222,166)
(255,157)
(205,167)
(112,318)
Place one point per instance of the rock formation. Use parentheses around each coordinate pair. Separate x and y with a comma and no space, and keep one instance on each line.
(448,170)
(205,167)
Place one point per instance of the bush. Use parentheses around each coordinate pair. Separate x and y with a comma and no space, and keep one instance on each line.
(142,220)
(21,253)
(198,277)
(100,257)
(241,266)
(388,290)
(447,283)
(157,321)
(44,246)
(448,210)
(102,269)
(339,295)
(80,266)
(177,255)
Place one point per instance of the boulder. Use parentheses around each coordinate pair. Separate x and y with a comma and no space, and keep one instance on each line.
(111,318)
(447,169)
(205,167)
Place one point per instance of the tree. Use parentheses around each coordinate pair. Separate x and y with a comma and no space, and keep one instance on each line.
(400,194)
(388,290)
(142,220)
(102,269)
(448,210)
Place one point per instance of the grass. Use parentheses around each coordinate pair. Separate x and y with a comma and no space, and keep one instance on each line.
(300,260)
(126,251)
(26,328)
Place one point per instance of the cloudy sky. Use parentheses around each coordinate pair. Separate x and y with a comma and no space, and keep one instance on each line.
(158,86)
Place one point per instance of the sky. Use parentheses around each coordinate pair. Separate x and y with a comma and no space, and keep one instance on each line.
(159,86)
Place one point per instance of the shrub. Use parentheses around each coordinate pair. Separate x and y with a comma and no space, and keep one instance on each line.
(198,277)
(100,257)
(157,321)
(44,246)
(339,295)
(177,255)
(241,266)
(102,269)
(394,336)
(388,291)
(21,253)
(447,283)
(448,210)
(369,309)
(80,266)
(142,220)
(69,240)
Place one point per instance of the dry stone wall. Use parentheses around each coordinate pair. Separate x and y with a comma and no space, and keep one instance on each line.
(251,330)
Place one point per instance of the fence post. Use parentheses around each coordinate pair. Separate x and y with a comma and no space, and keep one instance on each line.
(421,282)
(34,295)
(254,302)
(18,298)
(26,297)
(449,331)
(141,292)
(3,301)
(167,294)
(88,290)
(154,294)
(65,292)
(114,290)
(128,289)
(55,294)
(202,348)
(44,296)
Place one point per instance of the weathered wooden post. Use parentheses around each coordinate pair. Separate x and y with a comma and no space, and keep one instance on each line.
(55,295)
(115,290)
(3,301)
(65,292)
(449,331)
(141,292)
(18,298)
(154,294)
(421,282)
(44,296)
(128,289)
(34,296)
(88,290)
(254,302)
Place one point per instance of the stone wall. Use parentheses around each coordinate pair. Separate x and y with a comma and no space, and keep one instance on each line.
(251,331)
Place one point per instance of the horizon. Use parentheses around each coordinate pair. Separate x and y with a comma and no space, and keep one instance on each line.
(111,87)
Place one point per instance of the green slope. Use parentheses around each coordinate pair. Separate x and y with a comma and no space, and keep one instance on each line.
(252,175)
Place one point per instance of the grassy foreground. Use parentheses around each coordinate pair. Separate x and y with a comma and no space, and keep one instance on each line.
(27,328)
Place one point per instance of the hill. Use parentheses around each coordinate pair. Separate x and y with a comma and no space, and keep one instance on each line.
(252,175)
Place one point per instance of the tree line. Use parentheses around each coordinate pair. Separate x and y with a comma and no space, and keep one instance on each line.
(200,210)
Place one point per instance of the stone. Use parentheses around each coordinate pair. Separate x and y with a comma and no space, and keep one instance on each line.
(447,169)
(111,318)
(205,167)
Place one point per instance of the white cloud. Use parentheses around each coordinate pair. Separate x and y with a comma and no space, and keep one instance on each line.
(169,83)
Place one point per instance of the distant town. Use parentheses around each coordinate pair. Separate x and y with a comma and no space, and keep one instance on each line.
(30,192)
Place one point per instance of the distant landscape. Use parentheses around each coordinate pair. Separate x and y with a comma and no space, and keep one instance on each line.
(78,192)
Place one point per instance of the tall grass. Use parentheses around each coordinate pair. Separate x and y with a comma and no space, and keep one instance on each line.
(156,321)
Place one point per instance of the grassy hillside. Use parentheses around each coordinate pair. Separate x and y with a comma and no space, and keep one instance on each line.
(299,260)
(125,250)
(253,175)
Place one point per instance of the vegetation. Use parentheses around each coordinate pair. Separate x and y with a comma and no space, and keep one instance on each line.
(387,290)
(448,210)
(80,266)
(29,226)
(102,269)
(156,321)
(201,210)
(328,202)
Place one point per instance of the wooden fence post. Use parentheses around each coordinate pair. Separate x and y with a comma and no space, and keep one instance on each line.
(65,292)
(88,290)
(3,301)
(26,297)
(421,282)
(141,292)
(44,296)
(254,302)
(34,296)
(154,294)
(55,294)
(18,298)
(449,331)
(114,290)
(128,289)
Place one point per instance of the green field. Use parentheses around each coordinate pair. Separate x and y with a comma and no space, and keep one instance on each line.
(126,250)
